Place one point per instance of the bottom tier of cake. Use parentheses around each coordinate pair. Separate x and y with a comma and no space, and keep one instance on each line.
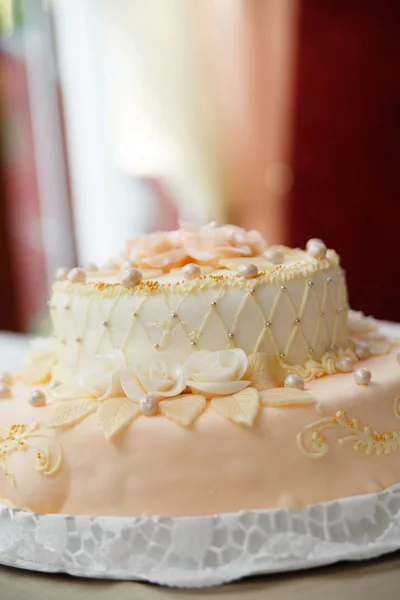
(345,442)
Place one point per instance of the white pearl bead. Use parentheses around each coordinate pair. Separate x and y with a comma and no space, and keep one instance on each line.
(274,255)
(248,271)
(313,241)
(61,274)
(362,350)
(294,381)
(362,376)
(345,365)
(191,271)
(149,405)
(53,384)
(131,277)
(5,391)
(37,398)
(6,377)
(317,249)
(90,268)
(77,275)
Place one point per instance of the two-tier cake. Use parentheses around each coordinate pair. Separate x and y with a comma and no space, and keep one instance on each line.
(201,372)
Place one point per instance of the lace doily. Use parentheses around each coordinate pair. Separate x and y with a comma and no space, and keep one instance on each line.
(202,551)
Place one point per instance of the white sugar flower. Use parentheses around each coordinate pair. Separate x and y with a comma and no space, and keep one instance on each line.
(157,373)
(217,373)
(359,324)
(42,359)
(102,379)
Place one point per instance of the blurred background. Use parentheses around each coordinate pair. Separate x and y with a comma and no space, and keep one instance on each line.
(122,116)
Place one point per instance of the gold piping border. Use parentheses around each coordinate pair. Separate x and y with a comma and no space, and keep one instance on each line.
(280,274)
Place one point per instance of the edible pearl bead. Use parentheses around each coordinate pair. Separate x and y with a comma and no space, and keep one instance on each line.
(6,378)
(248,271)
(174,315)
(131,278)
(275,256)
(313,241)
(37,398)
(231,336)
(149,405)
(61,274)
(362,376)
(362,350)
(191,271)
(345,365)
(316,249)
(77,275)
(90,268)
(53,384)
(5,391)
(294,381)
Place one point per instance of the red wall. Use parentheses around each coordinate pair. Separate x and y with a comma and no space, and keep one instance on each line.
(346,158)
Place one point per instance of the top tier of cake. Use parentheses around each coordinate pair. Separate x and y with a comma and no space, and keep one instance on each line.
(202,289)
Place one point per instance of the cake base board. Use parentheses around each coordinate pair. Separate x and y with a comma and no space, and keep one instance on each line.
(202,551)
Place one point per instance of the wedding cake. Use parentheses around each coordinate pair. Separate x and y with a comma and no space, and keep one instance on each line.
(201,372)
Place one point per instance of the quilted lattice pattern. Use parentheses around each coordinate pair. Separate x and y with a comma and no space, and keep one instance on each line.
(301,319)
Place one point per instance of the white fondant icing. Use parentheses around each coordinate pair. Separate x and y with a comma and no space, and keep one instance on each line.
(209,308)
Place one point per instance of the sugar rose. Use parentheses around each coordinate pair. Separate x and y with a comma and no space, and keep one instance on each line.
(211,243)
(157,373)
(162,250)
(217,373)
(102,379)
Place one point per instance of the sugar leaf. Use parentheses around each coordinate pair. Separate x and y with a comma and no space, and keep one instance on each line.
(241,408)
(184,409)
(115,414)
(71,412)
(285,397)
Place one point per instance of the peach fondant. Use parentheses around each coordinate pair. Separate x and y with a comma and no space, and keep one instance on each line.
(201,372)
